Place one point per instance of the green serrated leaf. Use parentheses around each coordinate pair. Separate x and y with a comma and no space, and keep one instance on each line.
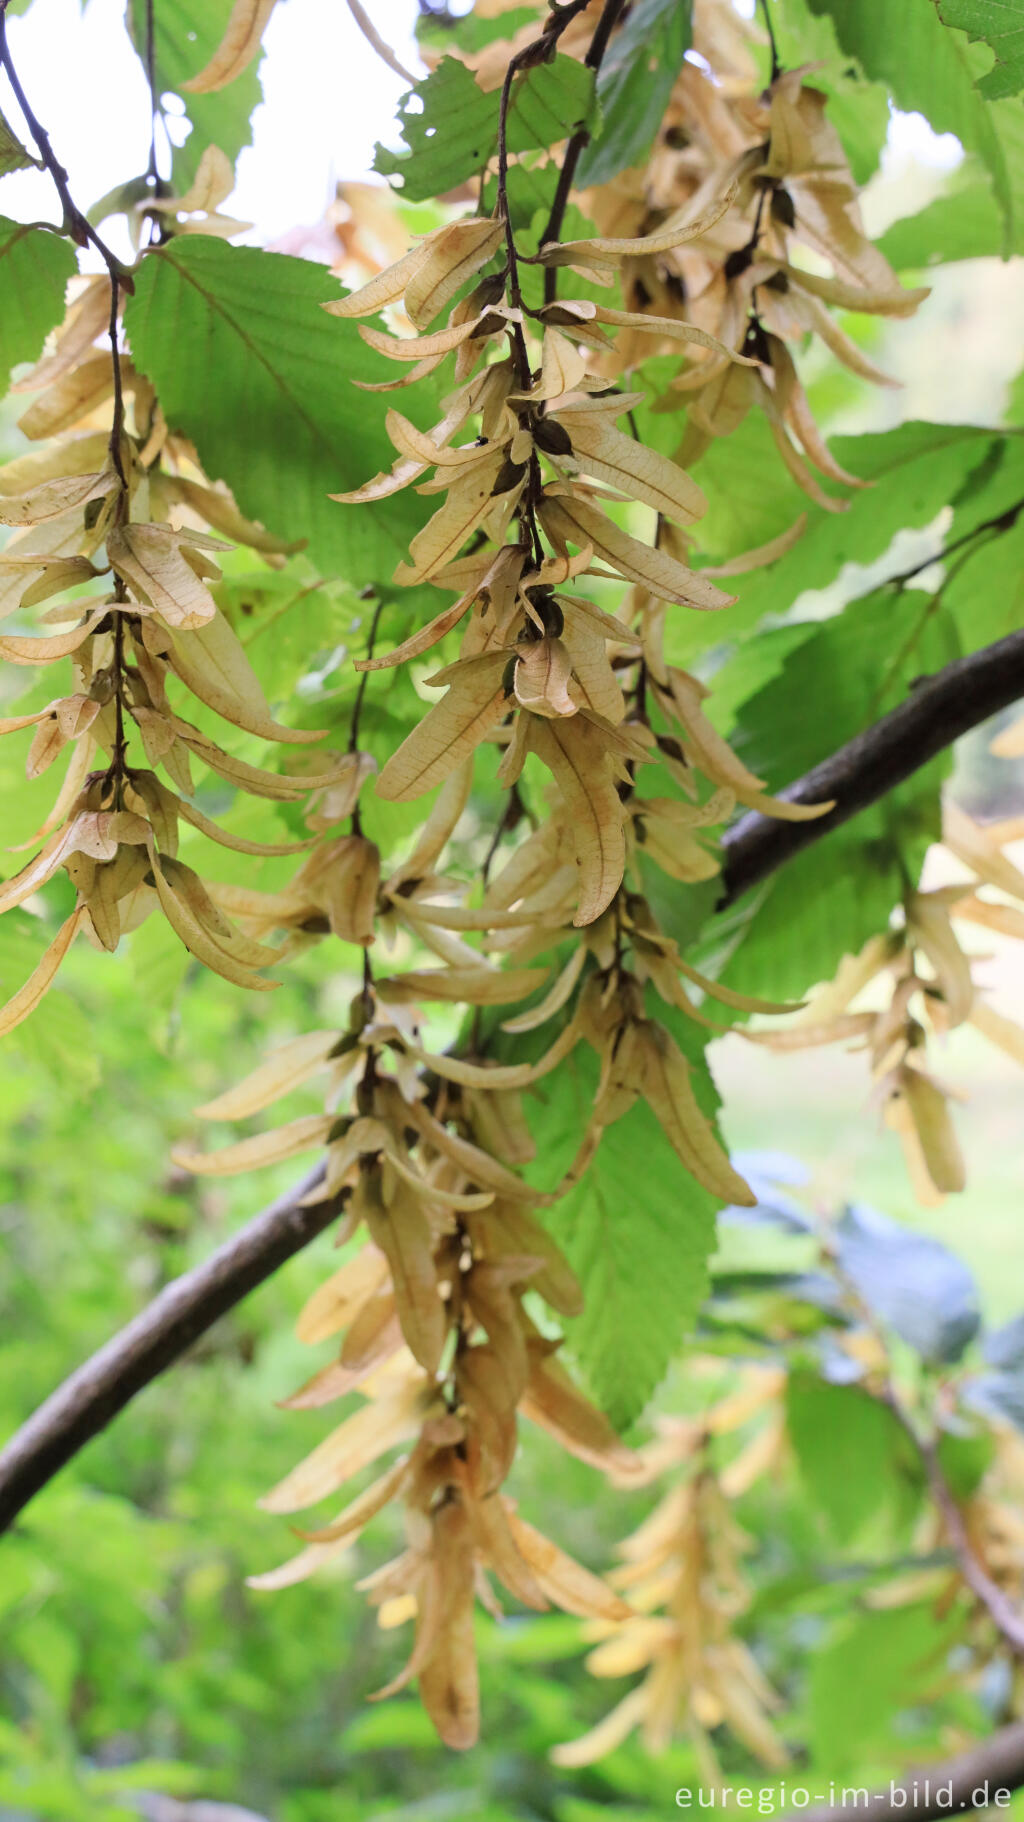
(825,903)
(640,1251)
(850,1450)
(875,1665)
(35,267)
(966,222)
(634,86)
(13,156)
(58,1038)
(469,32)
(929,70)
(187,32)
(984,592)
(912,471)
(999,24)
(250,367)
(450,125)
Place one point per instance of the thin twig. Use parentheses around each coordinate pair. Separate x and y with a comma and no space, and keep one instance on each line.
(356,819)
(1009,1621)
(1002,521)
(538,51)
(776,65)
(82,232)
(364,677)
(75,224)
(152,169)
(593,60)
(373,37)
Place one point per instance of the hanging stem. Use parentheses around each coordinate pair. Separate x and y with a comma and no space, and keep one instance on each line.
(356,821)
(81,231)
(593,60)
(75,224)
(776,65)
(364,677)
(539,51)
(151,169)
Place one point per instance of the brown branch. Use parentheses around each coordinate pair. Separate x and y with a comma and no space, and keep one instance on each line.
(968,1782)
(75,224)
(153,1340)
(593,60)
(938,710)
(1008,1619)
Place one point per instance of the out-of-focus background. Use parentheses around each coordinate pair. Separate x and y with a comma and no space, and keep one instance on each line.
(132,1659)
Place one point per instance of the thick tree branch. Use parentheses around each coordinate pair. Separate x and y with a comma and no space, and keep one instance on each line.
(936,713)
(153,1340)
(968,1782)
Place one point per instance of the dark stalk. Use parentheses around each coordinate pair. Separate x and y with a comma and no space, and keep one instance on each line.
(75,224)
(776,65)
(1007,1618)
(1003,521)
(152,169)
(364,677)
(357,710)
(593,60)
(80,230)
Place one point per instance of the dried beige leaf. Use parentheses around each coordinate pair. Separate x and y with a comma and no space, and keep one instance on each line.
(52,498)
(333,1305)
(344,878)
(423,639)
(449,733)
(576,521)
(603,252)
(240,44)
(666,1086)
(558,1406)
(359,1511)
(46,651)
(213,183)
(403,1233)
(152,561)
(1004,1032)
(27,998)
(929,926)
(576,755)
(541,679)
(934,1130)
(369,1433)
(606,1736)
(974,846)
(455,254)
(198,940)
(286,1068)
(565,1582)
(265,1148)
(470,498)
(424,347)
(640,472)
